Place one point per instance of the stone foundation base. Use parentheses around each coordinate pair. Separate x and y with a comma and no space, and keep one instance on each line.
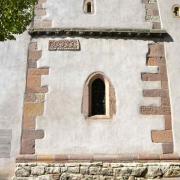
(96,171)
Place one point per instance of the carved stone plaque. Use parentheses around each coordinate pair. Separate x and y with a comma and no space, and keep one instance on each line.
(64,45)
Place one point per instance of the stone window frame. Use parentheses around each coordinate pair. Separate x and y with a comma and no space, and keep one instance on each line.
(85,9)
(109,96)
(173,8)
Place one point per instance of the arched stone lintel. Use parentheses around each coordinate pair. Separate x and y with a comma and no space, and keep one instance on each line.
(110,95)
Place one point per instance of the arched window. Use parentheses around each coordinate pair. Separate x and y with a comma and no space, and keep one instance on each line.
(176,10)
(98,97)
(89,6)
(98,106)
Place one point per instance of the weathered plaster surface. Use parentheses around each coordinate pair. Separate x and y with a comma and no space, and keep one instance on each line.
(122,61)
(13,57)
(109,14)
(172,25)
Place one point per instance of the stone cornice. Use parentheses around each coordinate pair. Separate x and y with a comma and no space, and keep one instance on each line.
(102,32)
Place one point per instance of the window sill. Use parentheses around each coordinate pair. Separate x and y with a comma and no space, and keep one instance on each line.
(91,13)
(99,117)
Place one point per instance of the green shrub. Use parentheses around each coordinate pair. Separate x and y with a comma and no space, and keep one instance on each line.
(15,16)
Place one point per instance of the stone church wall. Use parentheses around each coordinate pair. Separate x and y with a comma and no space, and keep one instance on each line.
(52,93)
(122,61)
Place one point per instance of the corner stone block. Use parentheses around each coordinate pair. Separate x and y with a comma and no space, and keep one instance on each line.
(32,46)
(162,136)
(151,6)
(27,146)
(33,109)
(29,122)
(33,81)
(156,25)
(153,12)
(154,110)
(156,50)
(28,140)
(42,89)
(42,24)
(152,62)
(151,77)
(38,71)
(32,64)
(29,134)
(164,85)
(34,98)
(34,55)
(155,93)
(167,148)
(165,101)
(168,123)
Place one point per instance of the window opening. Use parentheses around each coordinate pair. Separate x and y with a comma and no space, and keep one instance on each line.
(176,11)
(88,6)
(89,9)
(98,97)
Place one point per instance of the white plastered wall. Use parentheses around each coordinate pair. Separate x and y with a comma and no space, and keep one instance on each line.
(66,130)
(13,61)
(108,14)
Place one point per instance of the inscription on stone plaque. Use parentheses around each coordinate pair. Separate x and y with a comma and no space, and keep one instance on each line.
(64,45)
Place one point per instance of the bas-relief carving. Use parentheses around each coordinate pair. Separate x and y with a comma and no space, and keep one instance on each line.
(60,45)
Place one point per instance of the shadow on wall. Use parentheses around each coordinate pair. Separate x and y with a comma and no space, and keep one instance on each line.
(126,34)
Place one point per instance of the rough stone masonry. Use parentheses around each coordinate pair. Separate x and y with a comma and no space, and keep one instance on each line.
(96,171)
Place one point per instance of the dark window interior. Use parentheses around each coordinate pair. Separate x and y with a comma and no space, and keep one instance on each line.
(89,10)
(176,11)
(98,97)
